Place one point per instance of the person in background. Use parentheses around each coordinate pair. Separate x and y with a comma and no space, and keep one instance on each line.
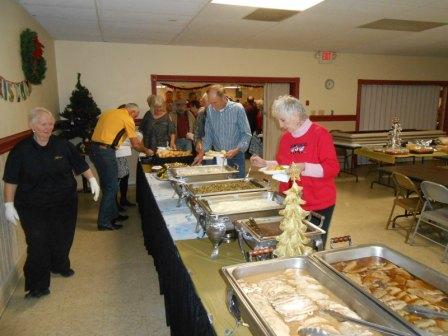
(226,128)
(184,121)
(311,146)
(147,121)
(251,113)
(199,125)
(163,129)
(122,153)
(169,101)
(259,120)
(111,130)
(40,192)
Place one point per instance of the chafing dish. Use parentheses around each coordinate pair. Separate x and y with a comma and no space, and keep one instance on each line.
(439,281)
(243,309)
(215,210)
(223,187)
(257,236)
(202,173)
(180,176)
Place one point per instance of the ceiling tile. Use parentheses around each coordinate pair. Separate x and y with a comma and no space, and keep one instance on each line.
(153,6)
(142,17)
(61,12)
(62,3)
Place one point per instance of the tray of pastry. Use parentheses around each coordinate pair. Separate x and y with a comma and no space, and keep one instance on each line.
(285,295)
(394,281)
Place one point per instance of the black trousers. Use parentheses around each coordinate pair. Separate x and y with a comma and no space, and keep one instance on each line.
(49,233)
(327,213)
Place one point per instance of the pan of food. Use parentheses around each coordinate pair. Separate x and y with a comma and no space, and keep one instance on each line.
(203,173)
(259,234)
(395,282)
(289,296)
(223,187)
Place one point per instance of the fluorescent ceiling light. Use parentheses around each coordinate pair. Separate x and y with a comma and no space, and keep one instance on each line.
(298,5)
(231,87)
(160,86)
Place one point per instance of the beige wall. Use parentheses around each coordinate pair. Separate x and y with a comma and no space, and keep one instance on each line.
(13,20)
(117,73)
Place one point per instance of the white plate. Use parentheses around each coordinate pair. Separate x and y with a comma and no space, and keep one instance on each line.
(272,172)
(155,168)
(162,148)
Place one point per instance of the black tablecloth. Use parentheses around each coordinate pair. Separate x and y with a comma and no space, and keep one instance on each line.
(185,313)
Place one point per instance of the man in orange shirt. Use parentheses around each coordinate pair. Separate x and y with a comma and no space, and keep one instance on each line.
(113,127)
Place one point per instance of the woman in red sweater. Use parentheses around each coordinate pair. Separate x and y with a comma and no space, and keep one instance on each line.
(311,146)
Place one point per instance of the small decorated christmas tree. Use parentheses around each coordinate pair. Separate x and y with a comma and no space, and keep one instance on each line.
(292,241)
(80,114)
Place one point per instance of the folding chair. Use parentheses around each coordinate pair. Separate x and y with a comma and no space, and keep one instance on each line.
(404,188)
(434,212)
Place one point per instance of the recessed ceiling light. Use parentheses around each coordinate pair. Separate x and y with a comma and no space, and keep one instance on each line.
(273,4)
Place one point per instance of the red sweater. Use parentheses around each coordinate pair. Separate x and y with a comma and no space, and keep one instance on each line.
(315,146)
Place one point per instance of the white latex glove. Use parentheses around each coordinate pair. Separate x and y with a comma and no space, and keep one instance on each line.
(190,136)
(95,188)
(11,213)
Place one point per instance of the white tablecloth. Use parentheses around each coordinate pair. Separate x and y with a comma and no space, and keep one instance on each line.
(179,220)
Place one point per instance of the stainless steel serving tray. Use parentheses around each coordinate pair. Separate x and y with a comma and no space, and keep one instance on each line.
(233,214)
(258,186)
(355,300)
(260,233)
(202,173)
(417,269)
(271,227)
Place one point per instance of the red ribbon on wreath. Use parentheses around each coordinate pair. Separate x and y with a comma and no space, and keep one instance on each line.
(38,48)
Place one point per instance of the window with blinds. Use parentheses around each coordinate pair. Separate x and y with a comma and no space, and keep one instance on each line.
(415,105)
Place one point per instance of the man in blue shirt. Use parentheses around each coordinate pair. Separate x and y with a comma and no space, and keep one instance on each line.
(226,128)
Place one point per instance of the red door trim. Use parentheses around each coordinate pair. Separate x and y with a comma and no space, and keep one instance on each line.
(294,82)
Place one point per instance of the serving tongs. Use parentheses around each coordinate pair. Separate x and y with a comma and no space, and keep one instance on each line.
(377,327)
(425,312)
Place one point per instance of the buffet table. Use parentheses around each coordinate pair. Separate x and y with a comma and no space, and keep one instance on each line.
(192,299)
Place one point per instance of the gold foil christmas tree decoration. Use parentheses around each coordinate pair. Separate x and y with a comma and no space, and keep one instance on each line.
(292,241)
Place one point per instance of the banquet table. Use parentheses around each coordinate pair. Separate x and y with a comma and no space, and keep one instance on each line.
(382,159)
(437,174)
(193,289)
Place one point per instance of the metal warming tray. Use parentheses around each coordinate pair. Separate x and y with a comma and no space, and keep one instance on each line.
(242,308)
(202,173)
(224,187)
(415,268)
(239,200)
(260,233)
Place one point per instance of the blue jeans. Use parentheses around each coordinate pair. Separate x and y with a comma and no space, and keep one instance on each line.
(106,165)
(240,161)
(184,144)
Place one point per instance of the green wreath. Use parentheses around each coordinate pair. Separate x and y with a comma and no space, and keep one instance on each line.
(34,65)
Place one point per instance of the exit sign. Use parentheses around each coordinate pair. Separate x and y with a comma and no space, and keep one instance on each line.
(325,56)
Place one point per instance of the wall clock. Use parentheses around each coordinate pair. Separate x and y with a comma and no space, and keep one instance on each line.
(329,84)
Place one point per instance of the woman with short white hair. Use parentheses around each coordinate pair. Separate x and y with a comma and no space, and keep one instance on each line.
(311,146)
(39,183)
